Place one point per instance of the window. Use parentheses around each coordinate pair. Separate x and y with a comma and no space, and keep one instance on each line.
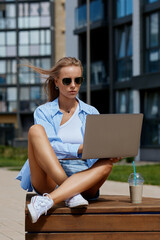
(153,42)
(12,99)
(34,43)
(96,13)
(8,72)
(7,16)
(34,15)
(123,8)
(152,1)
(3,105)
(27,75)
(151,133)
(123,47)
(8,44)
(124,101)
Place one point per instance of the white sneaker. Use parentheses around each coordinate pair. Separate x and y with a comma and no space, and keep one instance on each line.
(76,201)
(38,206)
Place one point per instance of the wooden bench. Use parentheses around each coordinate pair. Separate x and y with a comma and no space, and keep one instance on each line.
(108,218)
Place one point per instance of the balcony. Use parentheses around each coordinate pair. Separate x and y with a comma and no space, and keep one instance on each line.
(96,14)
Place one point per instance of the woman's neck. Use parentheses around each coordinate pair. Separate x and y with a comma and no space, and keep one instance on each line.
(68,105)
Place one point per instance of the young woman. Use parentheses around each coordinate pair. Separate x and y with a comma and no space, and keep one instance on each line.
(55,143)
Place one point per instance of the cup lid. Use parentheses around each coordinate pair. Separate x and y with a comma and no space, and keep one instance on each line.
(139,178)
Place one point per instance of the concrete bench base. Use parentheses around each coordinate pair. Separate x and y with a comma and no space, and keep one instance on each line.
(108,218)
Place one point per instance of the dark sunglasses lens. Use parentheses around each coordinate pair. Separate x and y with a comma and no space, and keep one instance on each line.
(79,80)
(66,81)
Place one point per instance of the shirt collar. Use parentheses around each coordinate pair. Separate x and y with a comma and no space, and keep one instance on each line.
(55,107)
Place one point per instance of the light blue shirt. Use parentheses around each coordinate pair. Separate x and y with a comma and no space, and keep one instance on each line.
(49,116)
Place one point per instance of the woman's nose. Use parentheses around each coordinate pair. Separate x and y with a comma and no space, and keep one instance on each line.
(73,83)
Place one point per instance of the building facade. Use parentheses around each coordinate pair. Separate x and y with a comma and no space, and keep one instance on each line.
(125,62)
(30,32)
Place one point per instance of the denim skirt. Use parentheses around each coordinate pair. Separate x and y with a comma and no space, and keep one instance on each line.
(73,166)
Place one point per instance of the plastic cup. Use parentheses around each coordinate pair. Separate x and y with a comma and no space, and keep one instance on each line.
(135,187)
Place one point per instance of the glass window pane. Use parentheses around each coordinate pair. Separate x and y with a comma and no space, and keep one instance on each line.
(10,10)
(14,66)
(34,37)
(24,78)
(3,107)
(34,50)
(2,51)
(154,30)
(45,8)
(45,63)
(123,103)
(2,38)
(154,56)
(129,47)
(151,105)
(2,23)
(34,9)
(34,22)
(120,8)
(48,36)
(11,23)
(45,21)
(129,7)
(35,93)
(24,106)
(33,106)
(42,35)
(122,45)
(2,67)
(11,94)
(11,51)
(24,37)
(12,106)
(24,93)
(23,50)
(11,38)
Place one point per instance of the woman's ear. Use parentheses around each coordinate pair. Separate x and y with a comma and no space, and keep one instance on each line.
(56,82)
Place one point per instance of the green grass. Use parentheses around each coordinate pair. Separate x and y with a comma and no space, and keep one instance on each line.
(150,173)
(14,158)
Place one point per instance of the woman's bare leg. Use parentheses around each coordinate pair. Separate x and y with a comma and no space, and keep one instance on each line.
(82,181)
(46,170)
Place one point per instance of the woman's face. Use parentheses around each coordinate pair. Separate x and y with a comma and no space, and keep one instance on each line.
(69,91)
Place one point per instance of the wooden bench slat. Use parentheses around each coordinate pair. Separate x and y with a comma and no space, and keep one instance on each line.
(95,236)
(107,204)
(95,222)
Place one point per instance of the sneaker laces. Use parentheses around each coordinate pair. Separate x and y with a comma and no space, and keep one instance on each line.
(41,202)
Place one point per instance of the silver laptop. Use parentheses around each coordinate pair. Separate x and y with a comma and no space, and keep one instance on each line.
(112,135)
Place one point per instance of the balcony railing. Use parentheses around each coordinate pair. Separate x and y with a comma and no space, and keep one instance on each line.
(96,13)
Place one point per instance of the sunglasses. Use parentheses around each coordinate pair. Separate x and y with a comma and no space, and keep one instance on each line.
(77,80)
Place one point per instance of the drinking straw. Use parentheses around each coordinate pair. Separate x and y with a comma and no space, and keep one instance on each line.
(134,173)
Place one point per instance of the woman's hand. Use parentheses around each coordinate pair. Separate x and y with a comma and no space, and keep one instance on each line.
(80,149)
(114,160)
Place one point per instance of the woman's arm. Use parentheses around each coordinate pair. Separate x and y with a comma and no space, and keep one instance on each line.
(80,149)
(62,150)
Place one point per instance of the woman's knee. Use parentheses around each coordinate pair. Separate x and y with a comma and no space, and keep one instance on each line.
(105,168)
(36,130)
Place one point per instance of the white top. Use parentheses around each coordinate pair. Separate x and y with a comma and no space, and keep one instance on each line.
(70,132)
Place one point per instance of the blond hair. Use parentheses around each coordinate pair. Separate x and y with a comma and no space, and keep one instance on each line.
(54,73)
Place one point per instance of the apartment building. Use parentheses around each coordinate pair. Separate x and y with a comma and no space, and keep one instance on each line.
(30,32)
(125,62)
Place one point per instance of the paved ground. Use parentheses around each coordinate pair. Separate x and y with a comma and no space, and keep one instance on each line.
(12,201)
